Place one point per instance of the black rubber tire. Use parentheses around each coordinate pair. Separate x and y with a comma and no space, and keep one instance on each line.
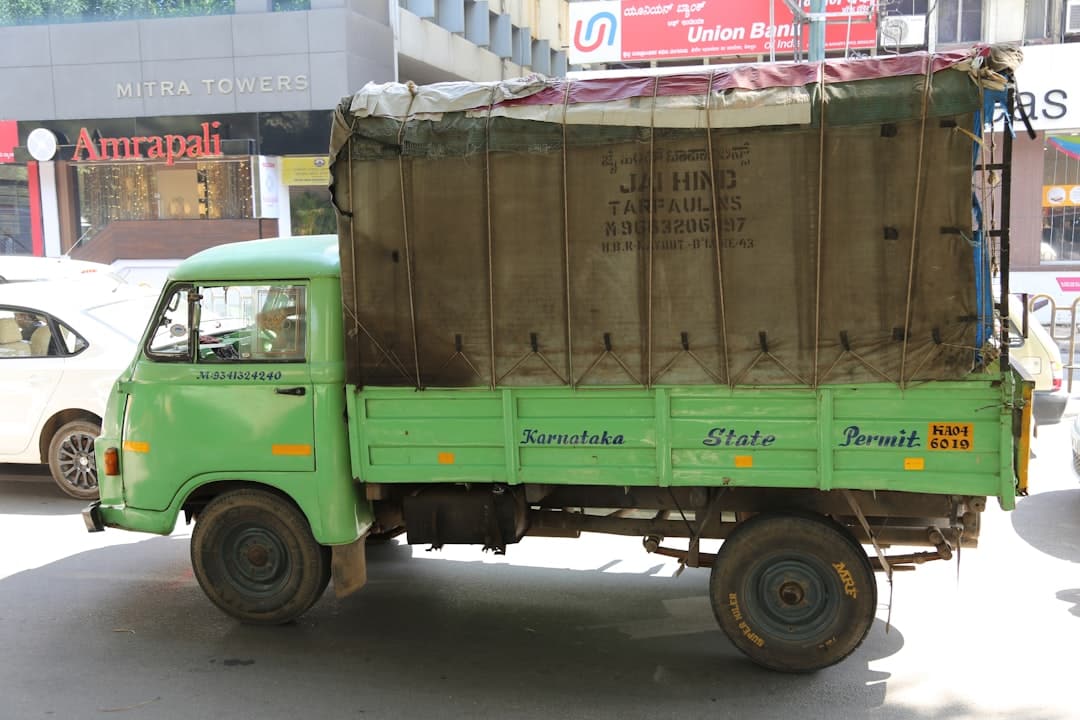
(794,593)
(71,459)
(255,557)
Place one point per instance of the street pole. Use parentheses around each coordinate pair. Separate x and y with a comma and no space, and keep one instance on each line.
(817,31)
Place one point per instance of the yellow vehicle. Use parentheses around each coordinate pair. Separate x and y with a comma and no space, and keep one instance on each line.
(1032,347)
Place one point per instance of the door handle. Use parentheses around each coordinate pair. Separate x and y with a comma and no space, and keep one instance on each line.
(291,391)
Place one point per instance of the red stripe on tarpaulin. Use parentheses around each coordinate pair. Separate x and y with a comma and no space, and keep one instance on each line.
(896,66)
(743,77)
(33,190)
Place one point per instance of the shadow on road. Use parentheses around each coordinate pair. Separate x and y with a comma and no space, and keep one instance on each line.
(128,624)
(34,497)
(1050,522)
(1071,595)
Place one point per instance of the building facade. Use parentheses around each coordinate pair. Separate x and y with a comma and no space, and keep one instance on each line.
(1046,192)
(135,141)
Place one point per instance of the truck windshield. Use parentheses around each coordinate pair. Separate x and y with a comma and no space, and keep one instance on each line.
(236,323)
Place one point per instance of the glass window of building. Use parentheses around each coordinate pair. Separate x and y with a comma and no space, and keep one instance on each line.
(311,212)
(1036,16)
(212,190)
(1061,199)
(15,234)
(905,7)
(959,21)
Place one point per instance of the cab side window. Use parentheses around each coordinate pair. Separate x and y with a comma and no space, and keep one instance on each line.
(171,338)
(282,322)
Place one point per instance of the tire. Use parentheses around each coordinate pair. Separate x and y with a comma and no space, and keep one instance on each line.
(255,557)
(71,459)
(1076,462)
(794,593)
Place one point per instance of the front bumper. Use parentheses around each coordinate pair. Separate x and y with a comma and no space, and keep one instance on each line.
(91,516)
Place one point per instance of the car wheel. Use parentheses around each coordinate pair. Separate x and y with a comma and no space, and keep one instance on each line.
(71,459)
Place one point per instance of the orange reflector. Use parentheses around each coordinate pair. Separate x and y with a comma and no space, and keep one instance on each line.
(136,446)
(112,461)
(446,458)
(290,449)
(744,461)
(914,463)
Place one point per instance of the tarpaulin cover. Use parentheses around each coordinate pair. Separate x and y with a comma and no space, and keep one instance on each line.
(808,224)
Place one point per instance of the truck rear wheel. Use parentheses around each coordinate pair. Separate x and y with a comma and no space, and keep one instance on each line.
(255,557)
(794,593)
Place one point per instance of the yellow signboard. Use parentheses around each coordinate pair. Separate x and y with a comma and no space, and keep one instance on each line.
(305,170)
(1061,196)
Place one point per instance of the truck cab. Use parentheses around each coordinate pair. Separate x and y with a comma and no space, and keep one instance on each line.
(245,344)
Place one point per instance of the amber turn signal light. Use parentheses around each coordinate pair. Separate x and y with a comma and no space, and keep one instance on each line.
(112,461)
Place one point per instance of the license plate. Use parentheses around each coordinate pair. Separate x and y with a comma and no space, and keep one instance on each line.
(951,436)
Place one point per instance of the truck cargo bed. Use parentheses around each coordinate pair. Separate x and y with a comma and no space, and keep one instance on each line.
(945,437)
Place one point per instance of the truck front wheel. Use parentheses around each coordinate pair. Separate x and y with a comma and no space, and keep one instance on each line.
(255,557)
(794,593)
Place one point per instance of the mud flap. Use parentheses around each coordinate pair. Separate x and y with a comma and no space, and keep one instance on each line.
(349,567)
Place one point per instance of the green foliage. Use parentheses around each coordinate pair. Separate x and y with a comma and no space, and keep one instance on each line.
(312,213)
(30,12)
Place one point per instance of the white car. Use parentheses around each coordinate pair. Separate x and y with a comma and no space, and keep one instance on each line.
(62,344)
(20,268)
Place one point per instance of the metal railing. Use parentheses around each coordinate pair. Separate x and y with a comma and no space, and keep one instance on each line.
(1063,329)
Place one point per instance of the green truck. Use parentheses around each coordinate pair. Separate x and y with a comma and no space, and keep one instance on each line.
(746,304)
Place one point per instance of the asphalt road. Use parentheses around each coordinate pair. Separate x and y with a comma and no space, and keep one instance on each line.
(114,625)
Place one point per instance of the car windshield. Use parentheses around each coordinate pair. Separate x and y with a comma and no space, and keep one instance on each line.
(127,317)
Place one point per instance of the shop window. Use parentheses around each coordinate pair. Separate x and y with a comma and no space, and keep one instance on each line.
(1061,199)
(213,190)
(178,194)
(959,21)
(15,238)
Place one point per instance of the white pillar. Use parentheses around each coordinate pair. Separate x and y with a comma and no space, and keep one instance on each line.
(50,208)
(284,221)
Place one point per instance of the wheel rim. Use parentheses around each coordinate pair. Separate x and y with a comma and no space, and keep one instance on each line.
(793,597)
(256,560)
(76,460)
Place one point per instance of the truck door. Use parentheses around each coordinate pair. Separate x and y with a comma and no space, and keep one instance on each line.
(223,386)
